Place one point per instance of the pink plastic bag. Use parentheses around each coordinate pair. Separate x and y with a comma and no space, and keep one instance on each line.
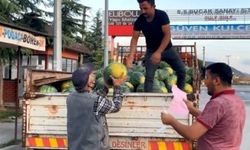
(177,106)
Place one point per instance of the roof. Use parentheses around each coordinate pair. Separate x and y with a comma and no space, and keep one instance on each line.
(25,29)
(78,47)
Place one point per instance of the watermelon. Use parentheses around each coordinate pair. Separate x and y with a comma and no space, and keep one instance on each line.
(171,80)
(138,68)
(130,86)
(99,73)
(66,85)
(161,74)
(136,78)
(140,88)
(188,88)
(125,88)
(69,90)
(159,87)
(169,70)
(188,79)
(163,64)
(116,70)
(164,89)
(99,84)
(47,89)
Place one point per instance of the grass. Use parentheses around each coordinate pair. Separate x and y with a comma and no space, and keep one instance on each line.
(9,113)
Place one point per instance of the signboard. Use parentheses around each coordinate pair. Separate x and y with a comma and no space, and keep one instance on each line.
(123,17)
(210,15)
(127,17)
(218,31)
(21,38)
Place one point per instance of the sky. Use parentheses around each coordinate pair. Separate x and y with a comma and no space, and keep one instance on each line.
(236,52)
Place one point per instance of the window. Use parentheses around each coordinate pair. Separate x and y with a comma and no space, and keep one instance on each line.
(69,65)
(10,70)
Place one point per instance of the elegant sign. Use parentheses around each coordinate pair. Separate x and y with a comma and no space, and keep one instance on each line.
(21,38)
(218,31)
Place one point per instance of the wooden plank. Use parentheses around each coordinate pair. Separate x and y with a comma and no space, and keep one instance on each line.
(49,133)
(48,121)
(148,135)
(146,101)
(35,129)
(149,123)
(48,100)
(157,130)
(48,111)
(149,113)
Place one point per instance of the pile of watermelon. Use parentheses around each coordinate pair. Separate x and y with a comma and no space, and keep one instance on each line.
(164,78)
(64,87)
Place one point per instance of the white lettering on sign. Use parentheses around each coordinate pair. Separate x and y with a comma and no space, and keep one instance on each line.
(124,13)
(226,31)
(194,28)
(123,17)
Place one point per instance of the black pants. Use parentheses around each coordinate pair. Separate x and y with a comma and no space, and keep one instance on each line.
(173,59)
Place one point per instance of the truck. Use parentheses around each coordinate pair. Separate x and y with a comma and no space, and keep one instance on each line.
(137,126)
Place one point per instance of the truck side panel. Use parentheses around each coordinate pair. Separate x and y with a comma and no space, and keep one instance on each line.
(139,118)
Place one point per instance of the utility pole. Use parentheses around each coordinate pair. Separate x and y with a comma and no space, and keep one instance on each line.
(57,57)
(204,60)
(106,51)
(228,59)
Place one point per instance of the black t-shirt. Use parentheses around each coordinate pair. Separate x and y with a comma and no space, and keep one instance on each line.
(153,30)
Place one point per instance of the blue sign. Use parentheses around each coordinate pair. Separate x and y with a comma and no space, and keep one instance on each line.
(218,31)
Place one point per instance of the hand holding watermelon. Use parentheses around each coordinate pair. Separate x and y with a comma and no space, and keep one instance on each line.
(115,72)
(118,81)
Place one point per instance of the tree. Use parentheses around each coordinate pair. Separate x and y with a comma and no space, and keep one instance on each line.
(73,16)
(7,11)
(94,40)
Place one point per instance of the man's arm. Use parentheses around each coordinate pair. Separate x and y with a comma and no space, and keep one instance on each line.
(156,57)
(103,105)
(193,110)
(133,45)
(193,132)
(166,39)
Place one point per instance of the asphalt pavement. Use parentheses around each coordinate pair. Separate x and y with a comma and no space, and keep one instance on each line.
(7,134)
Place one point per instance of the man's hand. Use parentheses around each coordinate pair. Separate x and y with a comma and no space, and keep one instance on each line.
(156,57)
(119,81)
(166,118)
(129,61)
(190,105)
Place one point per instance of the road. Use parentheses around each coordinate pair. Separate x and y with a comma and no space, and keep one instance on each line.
(7,130)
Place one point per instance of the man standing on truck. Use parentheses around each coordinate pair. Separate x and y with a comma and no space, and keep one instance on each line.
(86,122)
(154,24)
(219,126)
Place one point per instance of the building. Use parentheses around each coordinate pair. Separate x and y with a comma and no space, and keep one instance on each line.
(41,57)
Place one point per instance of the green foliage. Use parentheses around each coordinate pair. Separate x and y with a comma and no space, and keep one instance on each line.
(73,21)
(9,113)
(8,10)
(9,54)
(94,41)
